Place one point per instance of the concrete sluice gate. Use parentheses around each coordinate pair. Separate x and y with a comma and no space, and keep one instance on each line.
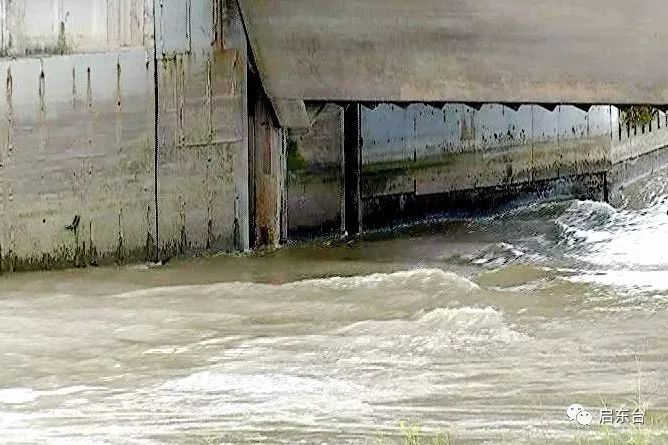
(456,160)
(134,130)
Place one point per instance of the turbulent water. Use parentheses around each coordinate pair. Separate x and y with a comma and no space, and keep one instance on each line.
(484,329)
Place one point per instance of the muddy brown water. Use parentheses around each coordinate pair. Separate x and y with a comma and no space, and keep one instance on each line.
(486,329)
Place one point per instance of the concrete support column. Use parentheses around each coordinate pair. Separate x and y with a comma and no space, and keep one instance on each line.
(352,158)
(268,169)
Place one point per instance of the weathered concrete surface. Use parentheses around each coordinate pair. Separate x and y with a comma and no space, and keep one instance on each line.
(76,160)
(202,127)
(571,51)
(78,136)
(268,170)
(352,169)
(630,141)
(638,151)
(421,160)
(30,27)
(315,174)
(200,131)
(423,150)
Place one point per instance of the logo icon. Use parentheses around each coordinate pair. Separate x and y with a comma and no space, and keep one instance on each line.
(577,413)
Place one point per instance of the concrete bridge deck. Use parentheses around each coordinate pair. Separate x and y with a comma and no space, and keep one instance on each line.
(571,51)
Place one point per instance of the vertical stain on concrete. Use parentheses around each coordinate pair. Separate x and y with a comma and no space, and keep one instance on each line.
(183,244)
(78,249)
(209,232)
(61,46)
(92,258)
(189,26)
(74,88)
(86,180)
(89,89)
(209,203)
(118,83)
(217,14)
(119,250)
(181,98)
(8,236)
(9,88)
(172,69)
(120,255)
(41,163)
(90,118)
(209,98)
(3,198)
(238,64)
(150,241)
(42,90)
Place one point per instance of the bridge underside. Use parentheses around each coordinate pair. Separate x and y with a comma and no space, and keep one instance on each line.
(572,51)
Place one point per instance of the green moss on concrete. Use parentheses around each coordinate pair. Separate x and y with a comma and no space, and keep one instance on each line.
(296,161)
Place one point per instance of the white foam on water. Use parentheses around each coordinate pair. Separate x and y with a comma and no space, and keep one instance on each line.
(195,290)
(624,239)
(167,350)
(471,324)
(269,384)
(652,280)
(414,279)
(421,279)
(18,396)
(441,329)
(270,395)
(496,255)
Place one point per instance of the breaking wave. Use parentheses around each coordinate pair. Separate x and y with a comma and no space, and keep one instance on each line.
(623,239)
(440,329)
(419,281)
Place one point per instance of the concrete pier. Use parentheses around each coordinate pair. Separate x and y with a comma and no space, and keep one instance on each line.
(352,142)
(125,132)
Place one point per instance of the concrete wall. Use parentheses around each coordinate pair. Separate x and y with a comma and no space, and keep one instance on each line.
(78,131)
(420,159)
(76,147)
(424,150)
(268,173)
(315,177)
(425,159)
(631,141)
(637,151)
(202,130)
(32,27)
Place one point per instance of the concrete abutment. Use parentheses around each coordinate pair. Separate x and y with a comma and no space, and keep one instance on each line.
(133,145)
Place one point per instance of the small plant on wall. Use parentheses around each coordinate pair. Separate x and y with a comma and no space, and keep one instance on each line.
(638,115)
(295,159)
